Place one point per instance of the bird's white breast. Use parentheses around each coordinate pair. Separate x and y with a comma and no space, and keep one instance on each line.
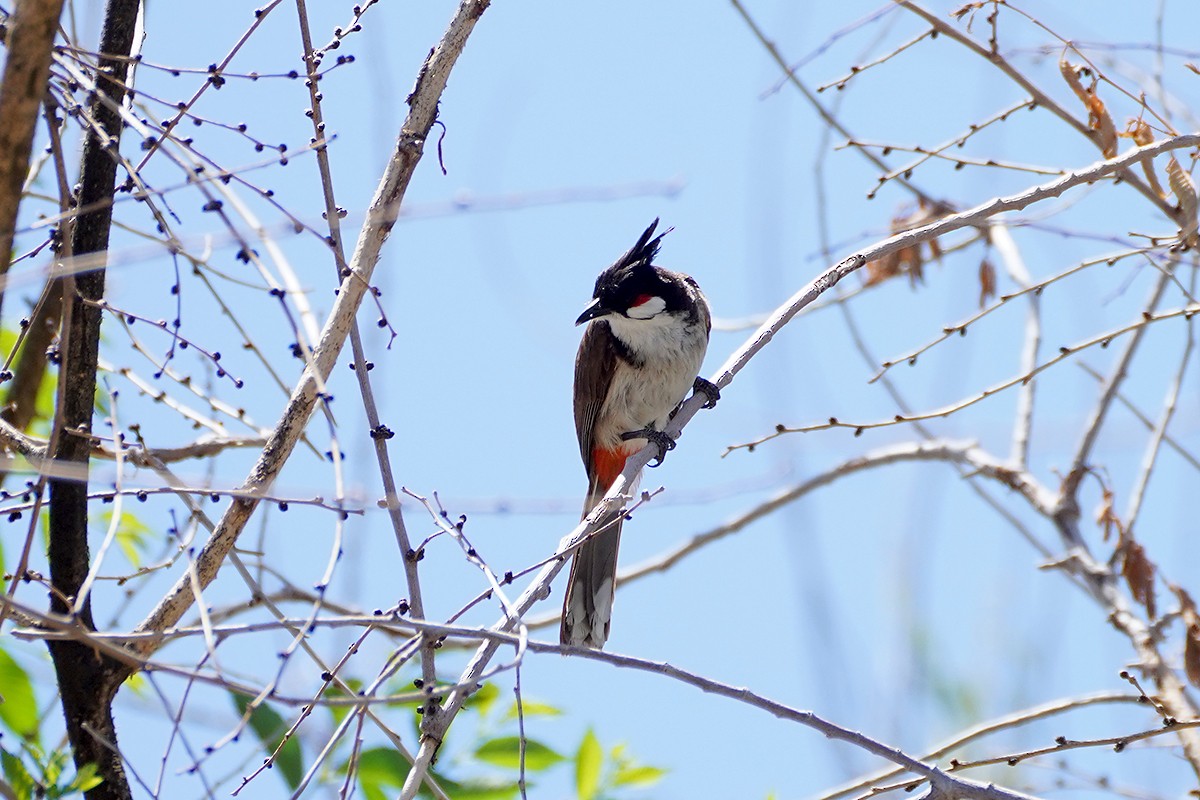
(668,354)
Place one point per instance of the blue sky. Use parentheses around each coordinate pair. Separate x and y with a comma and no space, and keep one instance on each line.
(893,602)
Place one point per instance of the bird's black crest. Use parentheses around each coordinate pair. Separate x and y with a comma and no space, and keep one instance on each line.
(642,253)
(634,274)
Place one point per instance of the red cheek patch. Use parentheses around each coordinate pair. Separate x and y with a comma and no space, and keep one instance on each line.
(641,298)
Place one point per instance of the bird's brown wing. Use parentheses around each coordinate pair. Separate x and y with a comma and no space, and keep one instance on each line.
(587,606)
(595,364)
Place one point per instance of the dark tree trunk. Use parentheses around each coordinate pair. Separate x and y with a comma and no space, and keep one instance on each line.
(88,681)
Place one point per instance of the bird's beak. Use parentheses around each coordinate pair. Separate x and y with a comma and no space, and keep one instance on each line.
(593,310)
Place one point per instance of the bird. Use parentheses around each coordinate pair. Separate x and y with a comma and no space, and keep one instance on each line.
(647,332)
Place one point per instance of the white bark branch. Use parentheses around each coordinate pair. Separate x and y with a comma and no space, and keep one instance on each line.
(434,727)
(423,103)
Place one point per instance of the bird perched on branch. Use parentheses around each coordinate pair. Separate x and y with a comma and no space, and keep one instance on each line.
(645,340)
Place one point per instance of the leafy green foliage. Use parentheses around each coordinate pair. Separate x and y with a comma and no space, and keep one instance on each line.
(270,728)
(596,778)
(86,778)
(483,700)
(16,775)
(505,751)
(25,785)
(44,403)
(532,708)
(628,772)
(335,691)
(19,711)
(463,770)
(31,773)
(480,789)
(133,536)
(589,759)
(379,769)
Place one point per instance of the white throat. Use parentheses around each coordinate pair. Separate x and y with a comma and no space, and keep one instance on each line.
(651,308)
(666,336)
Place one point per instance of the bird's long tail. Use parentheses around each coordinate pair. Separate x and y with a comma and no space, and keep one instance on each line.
(587,607)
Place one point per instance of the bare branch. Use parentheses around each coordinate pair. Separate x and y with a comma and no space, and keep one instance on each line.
(410,146)
(1154,446)
(30,37)
(435,729)
(1002,238)
(981,731)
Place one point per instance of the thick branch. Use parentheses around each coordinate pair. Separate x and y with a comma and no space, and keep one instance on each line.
(423,102)
(30,37)
(88,682)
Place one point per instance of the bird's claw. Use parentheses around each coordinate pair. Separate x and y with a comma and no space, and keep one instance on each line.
(709,389)
(665,443)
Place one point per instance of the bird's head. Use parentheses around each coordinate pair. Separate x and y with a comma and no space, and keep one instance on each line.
(635,289)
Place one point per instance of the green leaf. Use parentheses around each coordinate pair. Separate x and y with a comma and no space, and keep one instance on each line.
(478,789)
(85,779)
(335,690)
(588,761)
(372,792)
(47,390)
(133,535)
(382,766)
(638,776)
(100,403)
(505,751)
(269,727)
(15,774)
(137,684)
(533,709)
(52,770)
(483,699)
(18,711)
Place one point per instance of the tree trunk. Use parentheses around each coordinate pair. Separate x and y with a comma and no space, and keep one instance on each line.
(88,681)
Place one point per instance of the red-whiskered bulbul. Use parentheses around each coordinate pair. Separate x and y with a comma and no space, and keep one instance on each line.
(647,333)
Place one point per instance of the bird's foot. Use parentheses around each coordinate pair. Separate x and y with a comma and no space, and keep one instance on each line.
(708,388)
(665,443)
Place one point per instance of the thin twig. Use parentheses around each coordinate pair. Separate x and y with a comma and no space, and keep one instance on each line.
(422,113)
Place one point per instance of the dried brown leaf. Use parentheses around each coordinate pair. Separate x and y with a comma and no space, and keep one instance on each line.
(1193,67)
(935,250)
(1140,132)
(1072,78)
(1106,517)
(1142,135)
(916,269)
(987,282)
(1184,189)
(1138,571)
(967,9)
(1191,646)
(883,268)
(911,259)
(1191,656)
(1099,120)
